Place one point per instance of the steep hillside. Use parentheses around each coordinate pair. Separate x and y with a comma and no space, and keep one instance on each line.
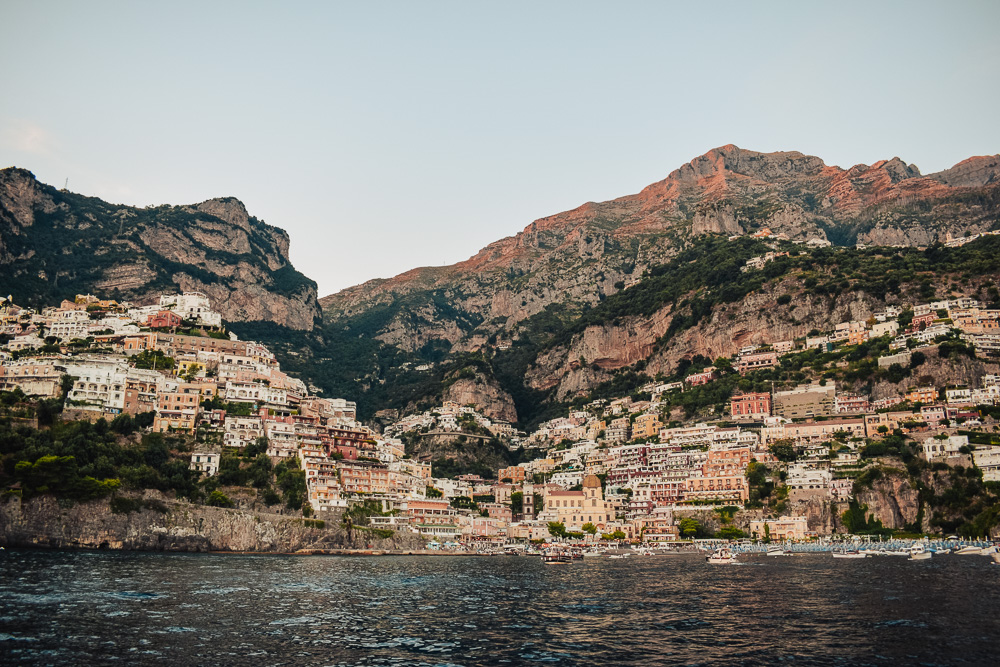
(577,257)
(693,309)
(563,275)
(55,244)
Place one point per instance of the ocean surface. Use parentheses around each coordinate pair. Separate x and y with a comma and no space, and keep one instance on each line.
(132,608)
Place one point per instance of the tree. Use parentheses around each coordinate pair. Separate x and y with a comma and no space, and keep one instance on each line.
(433,493)
(517,502)
(590,528)
(192,372)
(730,533)
(689,527)
(557,529)
(784,450)
(464,503)
(153,359)
(618,534)
(219,499)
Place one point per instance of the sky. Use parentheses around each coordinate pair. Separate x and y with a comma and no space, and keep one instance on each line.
(389,135)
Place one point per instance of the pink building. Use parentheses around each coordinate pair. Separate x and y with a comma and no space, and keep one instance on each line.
(750,406)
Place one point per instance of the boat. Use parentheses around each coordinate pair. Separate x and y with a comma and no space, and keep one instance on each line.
(996,558)
(849,553)
(990,550)
(778,552)
(618,556)
(969,551)
(919,552)
(556,557)
(941,552)
(720,556)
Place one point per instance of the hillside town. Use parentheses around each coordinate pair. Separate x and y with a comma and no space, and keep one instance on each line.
(621,468)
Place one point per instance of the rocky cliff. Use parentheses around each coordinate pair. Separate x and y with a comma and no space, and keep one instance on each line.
(180,526)
(566,264)
(55,244)
(484,393)
(579,255)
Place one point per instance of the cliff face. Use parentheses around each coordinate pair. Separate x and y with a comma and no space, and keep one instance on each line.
(483,392)
(42,522)
(55,244)
(755,320)
(892,500)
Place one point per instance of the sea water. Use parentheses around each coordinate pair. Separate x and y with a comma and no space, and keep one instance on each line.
(136,608)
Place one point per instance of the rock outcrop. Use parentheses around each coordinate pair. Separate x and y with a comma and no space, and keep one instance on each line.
(55,244)
(484,393)
(891,500)
(181,526)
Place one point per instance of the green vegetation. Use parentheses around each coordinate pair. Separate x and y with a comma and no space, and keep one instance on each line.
(82,461)
(153,359)
(358,517)
(696,283)
(69,248)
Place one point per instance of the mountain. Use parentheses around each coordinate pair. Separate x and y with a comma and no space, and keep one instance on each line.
(579,256)
(55,244)
(559,268)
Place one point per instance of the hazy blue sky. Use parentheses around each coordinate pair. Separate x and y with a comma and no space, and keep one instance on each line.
(388,135)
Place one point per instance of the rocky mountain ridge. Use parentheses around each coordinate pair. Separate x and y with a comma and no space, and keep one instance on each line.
(565,265)
(580,256)
(54,244)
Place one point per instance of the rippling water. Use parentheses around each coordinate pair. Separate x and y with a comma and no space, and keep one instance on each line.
(61,607)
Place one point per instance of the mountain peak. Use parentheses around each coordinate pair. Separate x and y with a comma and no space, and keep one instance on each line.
(229,209)
(974,172)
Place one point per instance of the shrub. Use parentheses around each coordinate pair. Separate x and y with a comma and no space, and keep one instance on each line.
(219,499)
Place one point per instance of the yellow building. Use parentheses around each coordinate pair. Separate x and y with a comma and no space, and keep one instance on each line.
(922,395)
(575,508)
(646,426)
(785,528)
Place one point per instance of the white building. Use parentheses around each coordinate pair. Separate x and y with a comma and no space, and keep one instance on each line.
(242,431)
(99,384)
(935,448)
(987,459)
(206,463)
(192,306)
(69,324)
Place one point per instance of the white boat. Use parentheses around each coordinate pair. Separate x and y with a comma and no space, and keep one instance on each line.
(720,556)
(618,556)
(969,551)
(990,550)
(941,552)
(778,552)
(919,552)
(852,553)
(996,558)
(556,557)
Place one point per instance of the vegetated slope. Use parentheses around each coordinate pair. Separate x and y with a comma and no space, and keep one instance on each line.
(559,267)
(693,309)
(55,244)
